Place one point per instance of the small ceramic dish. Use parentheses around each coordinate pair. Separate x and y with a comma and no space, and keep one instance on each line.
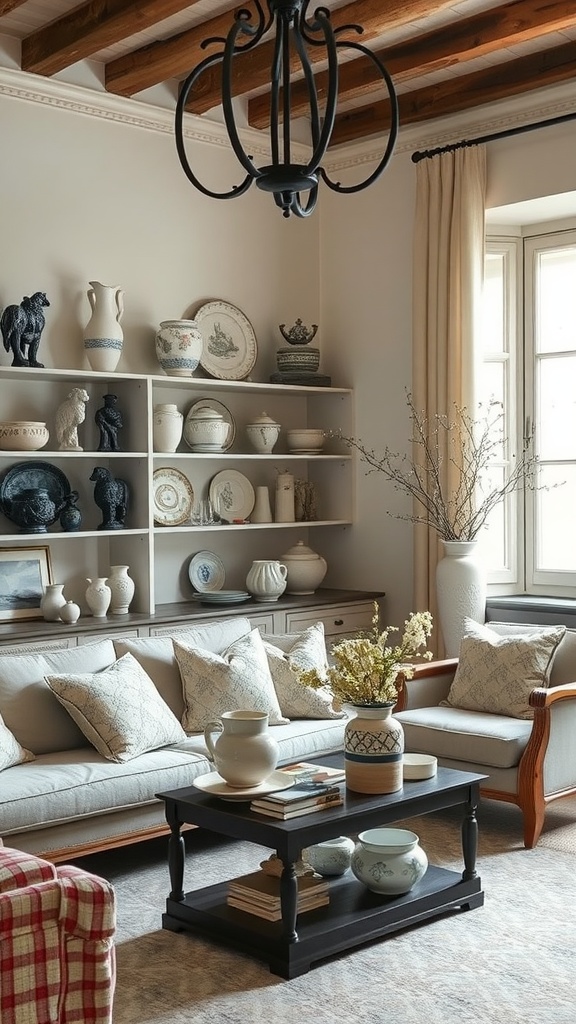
(419,766)
(305,440)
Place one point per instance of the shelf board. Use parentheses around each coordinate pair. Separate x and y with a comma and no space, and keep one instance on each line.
(27,538)
(217,527)
(45,453)
(254,456)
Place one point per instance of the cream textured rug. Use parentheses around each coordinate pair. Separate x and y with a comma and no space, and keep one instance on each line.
(510,961)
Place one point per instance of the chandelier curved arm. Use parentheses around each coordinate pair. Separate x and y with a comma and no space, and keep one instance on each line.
(298,209)
(320,138)
(337,186)
(240,26)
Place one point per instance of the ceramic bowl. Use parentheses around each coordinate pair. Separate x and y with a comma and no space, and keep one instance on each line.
(23,436)
(305,439)
(419,766)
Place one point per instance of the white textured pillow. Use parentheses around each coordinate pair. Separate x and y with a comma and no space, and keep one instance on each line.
(11,752)
(119,709)
(239,679)
(498,673)
(300,652)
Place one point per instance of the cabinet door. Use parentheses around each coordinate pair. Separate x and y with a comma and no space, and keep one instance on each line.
(39,646)
(339,622)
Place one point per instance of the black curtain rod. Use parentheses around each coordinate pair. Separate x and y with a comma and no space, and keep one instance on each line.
(426,153)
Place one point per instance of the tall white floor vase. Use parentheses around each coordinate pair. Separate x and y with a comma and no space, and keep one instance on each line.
(460,591)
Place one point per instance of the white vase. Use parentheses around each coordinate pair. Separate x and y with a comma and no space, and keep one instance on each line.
(389,861)
(266,580)
(460,591)
(284,508)
(98,596)
(331,858)
(167,424)
(373,749)
(261,513)
(52,602)
(244,754)
(122,589)
(178,347)
(70,612)
(103,336)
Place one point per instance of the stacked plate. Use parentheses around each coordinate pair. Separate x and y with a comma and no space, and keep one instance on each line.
(222,597)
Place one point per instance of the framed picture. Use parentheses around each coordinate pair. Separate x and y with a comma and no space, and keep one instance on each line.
(24,573)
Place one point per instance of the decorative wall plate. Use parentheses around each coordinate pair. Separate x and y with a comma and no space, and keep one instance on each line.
(32,476)
(214,784)
(211,403)
(173,497)
(229,343)
(206,572)
(232,495)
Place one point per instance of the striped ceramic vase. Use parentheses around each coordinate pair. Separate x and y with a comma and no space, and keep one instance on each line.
(373,749)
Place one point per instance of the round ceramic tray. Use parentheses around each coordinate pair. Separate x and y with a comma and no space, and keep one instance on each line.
(230,349)
(215,785)
(210,403)
(206,572)
(232,495)
(173,497)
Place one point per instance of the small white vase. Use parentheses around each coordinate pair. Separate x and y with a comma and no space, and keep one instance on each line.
(167,424)
(244,754)
(389,861)
(284,508)
(98,596)
(261,513)
(331,858)
(178,347)
(266,580)
(373,749)
(122,589)
(103,335)
(70,612)
(52,602)
(460,591)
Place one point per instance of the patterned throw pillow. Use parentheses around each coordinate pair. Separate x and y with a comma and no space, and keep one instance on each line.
(239,679)
(119,709)
(497,673)
(300,652)
(11,752)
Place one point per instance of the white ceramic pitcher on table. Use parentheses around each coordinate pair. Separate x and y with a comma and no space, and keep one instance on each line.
(244,754)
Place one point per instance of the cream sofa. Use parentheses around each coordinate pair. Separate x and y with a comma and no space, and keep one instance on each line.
(70,800)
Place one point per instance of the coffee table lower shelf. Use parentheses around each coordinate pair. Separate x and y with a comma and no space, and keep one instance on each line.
(354,916)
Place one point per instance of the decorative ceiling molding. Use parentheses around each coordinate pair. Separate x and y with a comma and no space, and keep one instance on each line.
(551,102)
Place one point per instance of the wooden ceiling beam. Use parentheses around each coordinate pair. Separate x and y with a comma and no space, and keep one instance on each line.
(548,67)
(10,5)
(460,41)
(175,57)
(90,28)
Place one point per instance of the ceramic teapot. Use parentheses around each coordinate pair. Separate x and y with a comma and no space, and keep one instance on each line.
(244,753)
(206,430)
(306,569)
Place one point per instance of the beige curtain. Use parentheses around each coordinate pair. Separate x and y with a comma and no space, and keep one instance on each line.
(448,268)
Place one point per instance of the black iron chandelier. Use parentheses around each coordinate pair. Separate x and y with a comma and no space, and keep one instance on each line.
(284,178)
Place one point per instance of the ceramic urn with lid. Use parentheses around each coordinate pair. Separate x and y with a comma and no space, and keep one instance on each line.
(306,569)
(263,433)
(206,430)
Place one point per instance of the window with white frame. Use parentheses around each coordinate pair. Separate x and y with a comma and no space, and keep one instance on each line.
(529,364)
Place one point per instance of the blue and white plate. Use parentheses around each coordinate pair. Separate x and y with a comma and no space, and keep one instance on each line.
(206,572)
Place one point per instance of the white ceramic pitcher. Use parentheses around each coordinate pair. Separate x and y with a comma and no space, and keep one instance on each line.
(244,754)
(266,579)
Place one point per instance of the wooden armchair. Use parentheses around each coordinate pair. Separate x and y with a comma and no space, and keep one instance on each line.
(529,763)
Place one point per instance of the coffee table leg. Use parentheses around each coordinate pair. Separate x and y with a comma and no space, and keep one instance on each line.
(176,851)
(289,900)
(469,842)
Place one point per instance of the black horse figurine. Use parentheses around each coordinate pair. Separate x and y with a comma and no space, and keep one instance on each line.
(22,328)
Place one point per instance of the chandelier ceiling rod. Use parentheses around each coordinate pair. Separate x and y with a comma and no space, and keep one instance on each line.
(294,33)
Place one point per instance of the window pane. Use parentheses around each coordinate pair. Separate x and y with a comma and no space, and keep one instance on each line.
(493,330)
(556,536)
(556,423)
(556,300)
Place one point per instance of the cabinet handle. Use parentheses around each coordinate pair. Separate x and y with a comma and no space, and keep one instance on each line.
(338,622)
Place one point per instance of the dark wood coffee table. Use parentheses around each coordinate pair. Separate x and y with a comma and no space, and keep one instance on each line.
(354,915)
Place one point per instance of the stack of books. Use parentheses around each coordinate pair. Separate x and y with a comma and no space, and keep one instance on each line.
(303,771)
(301,798)
(259,893)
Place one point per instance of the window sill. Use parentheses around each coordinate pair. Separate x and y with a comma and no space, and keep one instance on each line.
(543,611)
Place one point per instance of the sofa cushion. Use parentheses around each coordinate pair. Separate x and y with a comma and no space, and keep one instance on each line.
(498,673)
(214,683)
(470,736)
(10,750)
(119,709)
(156,654)
(296,652)
(23,686)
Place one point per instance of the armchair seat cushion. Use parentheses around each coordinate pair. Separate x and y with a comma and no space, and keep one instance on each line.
(486,739)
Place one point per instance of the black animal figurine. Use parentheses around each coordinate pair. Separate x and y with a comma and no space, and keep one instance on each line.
(22,328)
(111,496)
(109,422)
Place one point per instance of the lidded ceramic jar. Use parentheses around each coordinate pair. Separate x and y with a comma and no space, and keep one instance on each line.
(263,433)
(306,569)
(206,430)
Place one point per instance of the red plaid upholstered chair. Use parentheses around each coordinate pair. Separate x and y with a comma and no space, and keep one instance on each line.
(57,924)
